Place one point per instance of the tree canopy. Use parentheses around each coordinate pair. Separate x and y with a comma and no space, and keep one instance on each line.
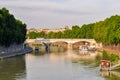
(11,29)
(106,31)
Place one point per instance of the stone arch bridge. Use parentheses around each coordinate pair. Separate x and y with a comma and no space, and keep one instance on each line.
(70,42)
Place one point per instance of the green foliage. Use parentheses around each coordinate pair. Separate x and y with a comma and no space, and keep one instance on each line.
(11,29)
(37,44)
(106,55)
(110,56)
(114,58)
(86,31)
(33,35)
(107,31)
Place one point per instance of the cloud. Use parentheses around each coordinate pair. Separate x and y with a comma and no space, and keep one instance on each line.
(68,6)
(39,13)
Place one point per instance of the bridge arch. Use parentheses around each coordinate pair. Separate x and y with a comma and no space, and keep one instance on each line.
(80,43)
(60,44)
(70,42)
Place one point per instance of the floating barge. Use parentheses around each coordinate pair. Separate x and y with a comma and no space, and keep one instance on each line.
(105,65)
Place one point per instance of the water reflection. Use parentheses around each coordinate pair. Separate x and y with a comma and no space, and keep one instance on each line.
(13,68)
(53,49)
(110,75)
(57,65)
(85,56)
(92,60)
(105,73)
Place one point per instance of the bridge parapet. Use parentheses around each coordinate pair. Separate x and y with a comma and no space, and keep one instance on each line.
(72,40)
(69,41)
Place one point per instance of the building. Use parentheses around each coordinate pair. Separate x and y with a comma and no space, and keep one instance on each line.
(47,30)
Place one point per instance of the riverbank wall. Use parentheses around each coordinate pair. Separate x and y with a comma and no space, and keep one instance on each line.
(111,48)
(14,50)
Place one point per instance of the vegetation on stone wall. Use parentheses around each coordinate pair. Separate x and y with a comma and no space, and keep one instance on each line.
(110,56)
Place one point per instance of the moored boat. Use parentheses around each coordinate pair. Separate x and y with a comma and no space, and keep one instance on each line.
(87,48)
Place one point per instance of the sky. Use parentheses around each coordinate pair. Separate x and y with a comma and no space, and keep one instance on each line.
(60,13)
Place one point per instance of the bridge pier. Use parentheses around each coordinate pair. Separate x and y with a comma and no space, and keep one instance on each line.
(37,49)
(47,47)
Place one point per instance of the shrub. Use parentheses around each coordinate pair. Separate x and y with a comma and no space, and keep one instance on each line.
(110,56)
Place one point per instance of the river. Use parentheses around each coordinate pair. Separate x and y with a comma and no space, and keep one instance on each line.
(56,65)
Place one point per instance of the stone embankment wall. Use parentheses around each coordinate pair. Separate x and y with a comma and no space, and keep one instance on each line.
(112,48)
(12,48)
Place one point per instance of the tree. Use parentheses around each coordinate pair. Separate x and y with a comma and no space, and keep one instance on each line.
(11,29)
